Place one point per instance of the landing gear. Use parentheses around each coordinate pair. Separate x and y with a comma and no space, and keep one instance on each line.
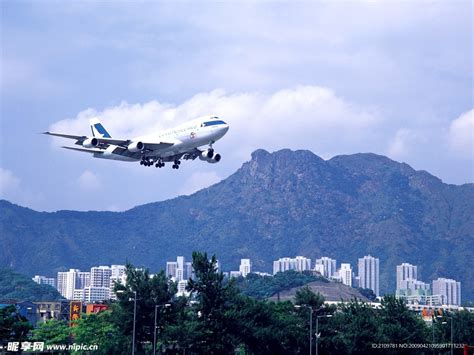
(160,164)
(146,161)
(176,164)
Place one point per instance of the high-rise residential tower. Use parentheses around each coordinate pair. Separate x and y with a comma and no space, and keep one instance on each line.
(369,273)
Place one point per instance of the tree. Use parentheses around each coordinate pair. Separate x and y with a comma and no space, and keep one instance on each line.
(150,292)
(399,325)
(13,326)
(213,318)
(305,296)
(53,332)
(367,293)
(463,326)
(98,328)
(351,330)
(268,327)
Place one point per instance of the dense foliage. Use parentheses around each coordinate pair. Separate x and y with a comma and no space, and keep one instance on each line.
(219,319)
(17,286)
(13,326)
(286,203)
(262,287)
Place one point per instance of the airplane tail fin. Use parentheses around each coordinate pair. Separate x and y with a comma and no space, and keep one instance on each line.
(97,129)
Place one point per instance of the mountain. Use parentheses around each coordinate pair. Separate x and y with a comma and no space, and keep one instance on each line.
(285,203)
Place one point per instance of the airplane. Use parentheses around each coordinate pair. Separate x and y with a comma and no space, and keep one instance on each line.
(172,145)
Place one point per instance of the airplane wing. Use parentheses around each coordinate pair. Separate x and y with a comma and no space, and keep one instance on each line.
(70,136)
(124,143)
(103,142)
(100,151)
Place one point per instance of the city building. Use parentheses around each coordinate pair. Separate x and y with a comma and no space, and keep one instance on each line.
(325,266)
(345,274)
(182,288)
(179,270)
(405,272)
(245,267)
(91,294)
(356,281)
(43,280)
(47,310)
(369,273)
(414,286)
(100,276)
(117,276)
(83,279)
(300,263)
(449,289)
(67,283)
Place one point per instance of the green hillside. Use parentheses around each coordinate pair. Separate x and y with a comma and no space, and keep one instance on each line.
(20,287)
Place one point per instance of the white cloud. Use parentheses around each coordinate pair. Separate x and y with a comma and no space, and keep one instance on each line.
(461,134)
(403,143)
(89,181)
(309,117)
(198,181)
(8,182)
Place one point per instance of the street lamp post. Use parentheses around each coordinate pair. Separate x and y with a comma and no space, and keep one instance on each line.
(317,328)
(156,315)
(134,316)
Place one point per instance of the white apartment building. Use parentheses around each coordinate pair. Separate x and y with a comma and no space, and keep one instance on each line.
(405,271)
(43,280)
(100,276)
(414,285)
(179,270)
(67,283)
(345,274)
(449,289)
(92,294)
(325,266)
(83,279)
(182,288)
(300,263)
(117,276)
(245,267)
(369,273)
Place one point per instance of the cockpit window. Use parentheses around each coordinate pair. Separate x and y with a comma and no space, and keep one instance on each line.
(212,123)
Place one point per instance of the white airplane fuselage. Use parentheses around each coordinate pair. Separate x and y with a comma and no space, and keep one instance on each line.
(185,137)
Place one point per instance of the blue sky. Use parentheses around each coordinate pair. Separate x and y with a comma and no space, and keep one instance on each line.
(394,78)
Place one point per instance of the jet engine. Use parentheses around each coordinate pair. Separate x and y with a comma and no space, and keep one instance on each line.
(207,154)
(90,143)
(215,159)
(136,147)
